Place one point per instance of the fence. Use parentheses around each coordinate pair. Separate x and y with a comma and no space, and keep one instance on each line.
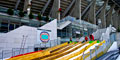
(17,51)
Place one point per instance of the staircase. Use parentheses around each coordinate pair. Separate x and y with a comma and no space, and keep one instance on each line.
(64,24)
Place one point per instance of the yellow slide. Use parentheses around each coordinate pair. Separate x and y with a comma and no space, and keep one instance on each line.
(76,52)
(76,46)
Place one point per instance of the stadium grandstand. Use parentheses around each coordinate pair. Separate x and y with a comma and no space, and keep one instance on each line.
(59,30)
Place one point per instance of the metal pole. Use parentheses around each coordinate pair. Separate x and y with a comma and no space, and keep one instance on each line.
(22,44)
(45,45)
(28,50)
(50,43)
(2,54)
(91,54)
(12,52)
(80,10)
(59,12)
(96,51)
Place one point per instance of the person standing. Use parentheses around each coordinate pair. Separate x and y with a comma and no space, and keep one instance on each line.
(70,40)
(86,38)
(91,37)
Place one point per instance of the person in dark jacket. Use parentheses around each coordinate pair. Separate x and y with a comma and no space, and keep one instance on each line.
(70,40)
(91,37)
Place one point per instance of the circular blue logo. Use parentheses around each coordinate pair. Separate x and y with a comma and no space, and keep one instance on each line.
(44,36)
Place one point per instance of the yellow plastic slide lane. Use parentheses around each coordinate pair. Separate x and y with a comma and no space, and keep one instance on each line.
(29,56)
(76,46)
(57,47)
(79,57)
(76,52)
(56,52)
(67,47)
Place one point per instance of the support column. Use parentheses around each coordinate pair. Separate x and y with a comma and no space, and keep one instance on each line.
(92,14)
(54,11)
(115,19)
(86,10)
(77,9)
(27,6)
(109,16)
(102,15)
(17,4)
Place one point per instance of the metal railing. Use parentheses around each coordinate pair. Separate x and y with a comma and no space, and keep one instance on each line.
(17,51)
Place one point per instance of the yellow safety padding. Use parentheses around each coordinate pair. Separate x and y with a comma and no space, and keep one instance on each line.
(63,53)
(77,53)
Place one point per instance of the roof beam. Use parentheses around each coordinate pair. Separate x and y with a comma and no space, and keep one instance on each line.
(18,2)
(54,10)
(109,16)
(102,13)
(68,8)
(76,12)
(91,13)
(86,8)
(44,8)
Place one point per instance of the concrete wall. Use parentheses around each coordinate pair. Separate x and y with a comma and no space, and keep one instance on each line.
(13,39)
